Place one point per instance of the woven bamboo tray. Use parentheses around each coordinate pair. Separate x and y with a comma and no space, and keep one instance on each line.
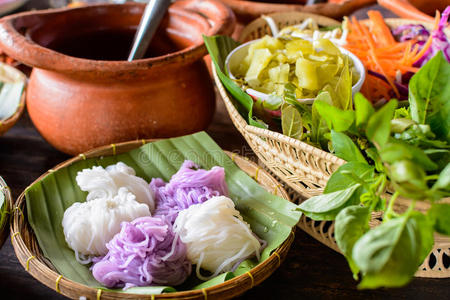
(6,191)
(304,168)
(31,258)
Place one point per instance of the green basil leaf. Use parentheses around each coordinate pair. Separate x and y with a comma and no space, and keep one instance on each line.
(218,48)
(351,224)
(440,214)
(345,148)
(379,126)
(340,181)
(363,109)
(409,179)
(291,121)
(318,126)
(443,181)
(389,254)
(429,92)
(395,151)
(337,119)
(327,206)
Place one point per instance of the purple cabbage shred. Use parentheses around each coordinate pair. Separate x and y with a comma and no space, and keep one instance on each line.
(143,253)
(419,33)
(190,185)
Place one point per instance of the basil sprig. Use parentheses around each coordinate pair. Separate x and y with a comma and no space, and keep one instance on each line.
(405,149)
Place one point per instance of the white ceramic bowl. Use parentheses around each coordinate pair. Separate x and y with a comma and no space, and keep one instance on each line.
(238,54)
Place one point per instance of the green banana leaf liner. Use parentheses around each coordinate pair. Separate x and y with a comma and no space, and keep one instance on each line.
(270,217)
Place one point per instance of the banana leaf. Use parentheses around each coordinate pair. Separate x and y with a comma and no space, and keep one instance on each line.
(219,47)
(269,216)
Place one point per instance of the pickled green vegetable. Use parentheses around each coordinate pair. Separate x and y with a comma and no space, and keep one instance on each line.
(311,66)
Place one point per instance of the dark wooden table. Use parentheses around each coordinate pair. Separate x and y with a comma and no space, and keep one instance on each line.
(311,270)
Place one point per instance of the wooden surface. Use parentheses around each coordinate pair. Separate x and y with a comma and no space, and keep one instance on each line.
(311,270)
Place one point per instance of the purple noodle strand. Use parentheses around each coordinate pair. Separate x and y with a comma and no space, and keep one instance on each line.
(143,253)
(190,185)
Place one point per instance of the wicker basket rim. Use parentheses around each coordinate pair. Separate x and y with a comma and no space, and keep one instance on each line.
(19,243)
(6,124)
(15,117)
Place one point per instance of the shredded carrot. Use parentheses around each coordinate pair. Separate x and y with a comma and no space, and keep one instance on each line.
(380,29)
(380,52)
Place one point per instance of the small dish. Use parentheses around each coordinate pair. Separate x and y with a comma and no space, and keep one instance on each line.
(237,55)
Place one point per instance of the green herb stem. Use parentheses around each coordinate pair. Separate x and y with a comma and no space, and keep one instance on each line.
(390,210)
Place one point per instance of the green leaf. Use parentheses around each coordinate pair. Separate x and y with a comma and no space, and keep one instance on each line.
(318,125)
(337,119)
(443,181)
(440,214)
(351,224)
(291,122)
(429,92)
(401,124)
(395,151)
(269,216)
(363,109)
(343,99)
(327,206)
(345,148)
(340,179)
(389,255)
(409,179)
(219,47)
(379,126)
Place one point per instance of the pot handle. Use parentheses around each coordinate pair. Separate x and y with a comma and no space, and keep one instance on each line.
(406,10)
(219,16)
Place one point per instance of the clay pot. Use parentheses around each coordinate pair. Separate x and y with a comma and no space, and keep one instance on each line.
(421,10)
(247,11)
(82,92)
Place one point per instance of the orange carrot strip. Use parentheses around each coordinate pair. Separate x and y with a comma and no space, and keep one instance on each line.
(380,27)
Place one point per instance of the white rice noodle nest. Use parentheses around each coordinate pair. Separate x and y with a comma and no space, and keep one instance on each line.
(90,225)
(105,183)
(216,236)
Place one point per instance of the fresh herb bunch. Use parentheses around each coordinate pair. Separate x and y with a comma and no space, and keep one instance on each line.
(406,151)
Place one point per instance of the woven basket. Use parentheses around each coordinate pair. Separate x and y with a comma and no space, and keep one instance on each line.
(31,258)
(6,191)
(304,168)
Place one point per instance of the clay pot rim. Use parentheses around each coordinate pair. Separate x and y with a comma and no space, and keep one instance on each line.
(184,56)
